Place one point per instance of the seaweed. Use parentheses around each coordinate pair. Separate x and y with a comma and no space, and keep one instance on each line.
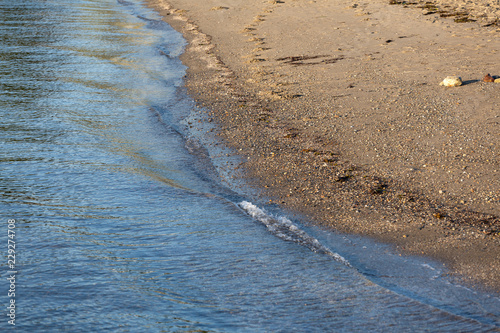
(404,3)
(300,60)
(464,19)
(495,22)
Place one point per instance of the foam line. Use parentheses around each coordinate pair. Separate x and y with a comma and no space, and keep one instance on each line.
(284,228)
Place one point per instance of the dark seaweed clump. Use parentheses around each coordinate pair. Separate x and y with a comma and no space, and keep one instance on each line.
(432,8)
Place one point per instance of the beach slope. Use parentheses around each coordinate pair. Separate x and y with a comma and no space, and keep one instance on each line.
(337,110)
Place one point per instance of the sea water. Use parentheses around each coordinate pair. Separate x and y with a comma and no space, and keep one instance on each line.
(118,221)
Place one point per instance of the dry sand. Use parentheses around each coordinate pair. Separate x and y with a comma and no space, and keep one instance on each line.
(337,108)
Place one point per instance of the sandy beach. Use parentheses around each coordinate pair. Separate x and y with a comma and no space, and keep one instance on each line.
(337,110)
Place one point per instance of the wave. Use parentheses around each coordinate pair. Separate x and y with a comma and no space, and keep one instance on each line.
(284,228)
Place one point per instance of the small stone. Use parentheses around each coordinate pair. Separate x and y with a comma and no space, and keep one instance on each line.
(438,215)
(451,81)
(488,78)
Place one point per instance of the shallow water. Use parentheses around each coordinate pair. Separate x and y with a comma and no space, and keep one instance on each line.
(121,225)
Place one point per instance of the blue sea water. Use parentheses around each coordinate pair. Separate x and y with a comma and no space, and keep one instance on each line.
(122,225)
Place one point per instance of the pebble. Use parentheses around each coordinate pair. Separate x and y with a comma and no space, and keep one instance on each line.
(488,78)
(451,81)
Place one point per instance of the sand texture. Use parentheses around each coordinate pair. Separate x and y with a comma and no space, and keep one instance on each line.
(338,111)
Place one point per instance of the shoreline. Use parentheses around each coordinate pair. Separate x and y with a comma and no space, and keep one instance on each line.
(345,123)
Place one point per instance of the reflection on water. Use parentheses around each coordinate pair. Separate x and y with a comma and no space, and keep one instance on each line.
(118,230)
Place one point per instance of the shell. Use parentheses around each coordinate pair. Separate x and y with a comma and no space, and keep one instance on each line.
(488,78)
(451,81)
(497,80)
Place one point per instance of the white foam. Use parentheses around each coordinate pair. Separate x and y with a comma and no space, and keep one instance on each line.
(284,228)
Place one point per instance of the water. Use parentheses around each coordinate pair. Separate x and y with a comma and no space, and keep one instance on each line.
(122,226)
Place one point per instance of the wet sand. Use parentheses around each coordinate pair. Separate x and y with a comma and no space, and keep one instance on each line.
(337,110)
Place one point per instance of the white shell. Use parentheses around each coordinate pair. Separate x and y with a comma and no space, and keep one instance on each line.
(451,81)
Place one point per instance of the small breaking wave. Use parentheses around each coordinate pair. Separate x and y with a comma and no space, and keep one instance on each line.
(284,228)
